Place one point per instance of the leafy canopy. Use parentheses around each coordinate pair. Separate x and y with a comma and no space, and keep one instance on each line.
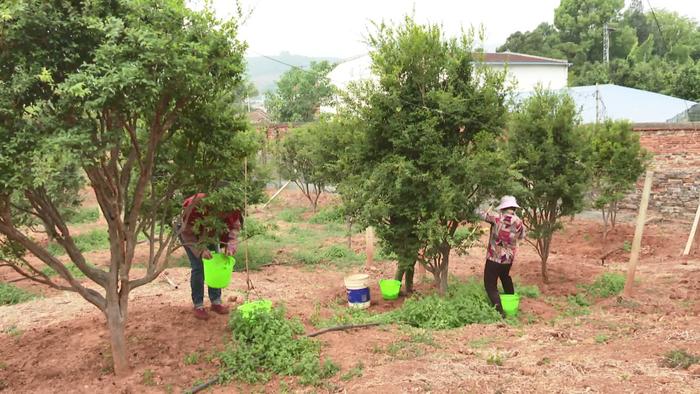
(426,154)
(300,93)
(548,147)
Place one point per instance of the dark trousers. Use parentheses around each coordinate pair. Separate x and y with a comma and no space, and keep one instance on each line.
(197,282)
(493,271)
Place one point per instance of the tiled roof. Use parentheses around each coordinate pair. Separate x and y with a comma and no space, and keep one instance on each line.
(517,58)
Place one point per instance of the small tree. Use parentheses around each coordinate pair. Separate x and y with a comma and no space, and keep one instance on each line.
(300,93)
(303,159)
(616,161)
(135,96)
(548,147)
(426,154)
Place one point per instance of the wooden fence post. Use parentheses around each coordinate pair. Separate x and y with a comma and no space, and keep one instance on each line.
(637,242)
(691,237)
(369,246)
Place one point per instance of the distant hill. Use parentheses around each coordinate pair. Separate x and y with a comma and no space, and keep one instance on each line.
(264,72)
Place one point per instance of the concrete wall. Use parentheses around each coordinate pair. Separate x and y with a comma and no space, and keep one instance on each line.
(676,165)
(527,76)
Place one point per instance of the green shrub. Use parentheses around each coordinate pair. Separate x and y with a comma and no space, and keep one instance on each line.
(266,344)
(606,285)
(334,214)
(680,359)
(11,294)
(465,303)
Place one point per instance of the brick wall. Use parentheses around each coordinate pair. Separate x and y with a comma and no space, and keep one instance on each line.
(676,164)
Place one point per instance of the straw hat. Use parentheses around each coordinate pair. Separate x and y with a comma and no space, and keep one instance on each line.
(508,202)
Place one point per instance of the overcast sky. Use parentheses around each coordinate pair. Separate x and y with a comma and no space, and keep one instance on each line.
(337,27)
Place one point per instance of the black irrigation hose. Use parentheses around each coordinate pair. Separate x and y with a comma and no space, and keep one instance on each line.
(214,380)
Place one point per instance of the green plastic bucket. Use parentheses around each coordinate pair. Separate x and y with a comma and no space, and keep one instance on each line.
(510,303)
(217,270)
(390,288)
(254,307)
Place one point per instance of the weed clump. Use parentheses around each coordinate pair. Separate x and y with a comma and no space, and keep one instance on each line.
(11,294)
(267,343)
(680,359)
(329,215)
(465,303)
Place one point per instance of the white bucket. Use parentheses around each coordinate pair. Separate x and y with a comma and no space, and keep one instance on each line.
(358,290)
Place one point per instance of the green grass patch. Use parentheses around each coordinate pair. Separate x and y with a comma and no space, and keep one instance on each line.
(465,303)
(261,251)
(602,339)
(97,239)
(11,294)
(528,291)
(71,267)
(268,344)
(192,358)
(333,214)
(495,359)
(354,372)
(148,378)
(680,359)
(607,285)
(480,342)
(338,255)
(291,215)
(83,215)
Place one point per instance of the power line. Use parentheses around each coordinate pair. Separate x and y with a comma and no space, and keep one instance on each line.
(658,26)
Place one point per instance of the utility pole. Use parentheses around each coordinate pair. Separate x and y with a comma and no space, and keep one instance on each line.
(606,43)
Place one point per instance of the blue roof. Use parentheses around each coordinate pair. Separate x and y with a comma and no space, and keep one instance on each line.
(623,103)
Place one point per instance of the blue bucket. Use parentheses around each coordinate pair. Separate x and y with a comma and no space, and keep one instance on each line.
(358,291)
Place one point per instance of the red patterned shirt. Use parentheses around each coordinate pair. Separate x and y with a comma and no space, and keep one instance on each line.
(506,230)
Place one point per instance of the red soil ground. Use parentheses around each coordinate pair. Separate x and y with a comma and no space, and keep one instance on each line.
(59,343)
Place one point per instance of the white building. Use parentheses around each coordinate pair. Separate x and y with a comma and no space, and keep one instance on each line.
(524,71)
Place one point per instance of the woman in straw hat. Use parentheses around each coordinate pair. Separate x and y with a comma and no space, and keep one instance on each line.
(506,230)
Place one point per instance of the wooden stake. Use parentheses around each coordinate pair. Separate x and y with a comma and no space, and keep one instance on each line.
(637,242)
(275,195)
(691,237)
(369,246)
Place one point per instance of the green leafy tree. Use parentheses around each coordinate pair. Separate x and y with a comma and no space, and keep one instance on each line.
(133,99)
(306,157)
(548,147)
(543,41)
(616,161)
(647,51)
(581,22)
(300,93)
(687,84)
(426,155)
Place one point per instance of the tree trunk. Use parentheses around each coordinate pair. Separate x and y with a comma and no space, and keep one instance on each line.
(444,270)
(116,323)
(349,223)
(543,246)
(545,276)
(605,224)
